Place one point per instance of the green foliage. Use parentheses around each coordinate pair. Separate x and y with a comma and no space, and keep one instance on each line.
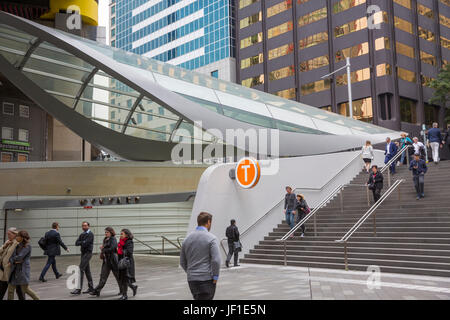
(442,87)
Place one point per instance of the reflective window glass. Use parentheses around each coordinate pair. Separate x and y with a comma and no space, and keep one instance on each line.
(251,61)
(278,30)
(346,4)
(313,40)
(279,7)
(408,110)
(405,50)
(406,75)
(314,87)
(314,63)
(281,51)
(282,73)
(312,17)
(356,76)
(352,52)
(251,40)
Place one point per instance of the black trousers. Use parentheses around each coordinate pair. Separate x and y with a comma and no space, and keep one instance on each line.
(104,274)
(232,252)
(85,269)
(300,216)
(376,194)
(4,289)
(124,282)
(202,290)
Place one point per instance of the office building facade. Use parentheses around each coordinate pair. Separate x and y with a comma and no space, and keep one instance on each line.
(395,48)
(193,34)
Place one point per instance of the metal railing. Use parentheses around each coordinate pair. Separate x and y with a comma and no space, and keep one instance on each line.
(393,160)
(147,245)
(164,239)
(371,211)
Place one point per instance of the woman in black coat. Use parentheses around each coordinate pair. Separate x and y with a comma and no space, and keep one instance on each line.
(126,274)
(375,183)
(302,209)
(110,260)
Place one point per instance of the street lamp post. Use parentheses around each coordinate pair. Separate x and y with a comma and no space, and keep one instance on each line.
(349,82)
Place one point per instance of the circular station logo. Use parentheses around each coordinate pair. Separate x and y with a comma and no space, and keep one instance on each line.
(247,172)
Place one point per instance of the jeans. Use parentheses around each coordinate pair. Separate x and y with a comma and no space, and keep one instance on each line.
(232,252)
(202,290)
(290,218)
(4,288)
(403,156)
(435,150)
(51,261)
(419,184)
(85,269)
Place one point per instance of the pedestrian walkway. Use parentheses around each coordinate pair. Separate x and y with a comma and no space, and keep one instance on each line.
(160,278)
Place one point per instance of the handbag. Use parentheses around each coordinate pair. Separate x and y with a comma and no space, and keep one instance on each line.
(237,246)
(371,186)
(124,263)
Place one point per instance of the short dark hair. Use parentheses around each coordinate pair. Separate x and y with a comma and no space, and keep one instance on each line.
(203,218)
(55,225)
(374,166)
(233,221)
(111,230)
(86,223)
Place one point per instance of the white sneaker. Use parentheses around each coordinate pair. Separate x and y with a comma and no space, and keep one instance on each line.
(302,235)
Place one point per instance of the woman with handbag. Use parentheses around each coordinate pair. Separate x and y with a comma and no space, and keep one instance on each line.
(301,209)
(367,155)
(20,267)
(110,261)
(375,183)
(126,264)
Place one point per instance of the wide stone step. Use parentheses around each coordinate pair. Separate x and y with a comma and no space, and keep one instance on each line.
(366,232)
(371,238)
(380,224)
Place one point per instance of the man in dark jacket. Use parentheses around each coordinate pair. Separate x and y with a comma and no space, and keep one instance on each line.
(390,152)
(418,168)
(232,234)
(375,182)
(86,242)
(52,249)
(289,206)
(446,138)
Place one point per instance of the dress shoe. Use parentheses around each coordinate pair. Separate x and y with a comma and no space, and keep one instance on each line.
(123,298)
(237,265)
(134,289)
(95,293)
(76,291)
(59,275)
(42,280)
(88,291)
(227,264)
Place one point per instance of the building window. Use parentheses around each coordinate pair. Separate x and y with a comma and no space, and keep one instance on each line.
(279,7)
(405,50)
(350,27)
(403,25)
(425,11)
(445,21)
(24,111)
(382,43)
(313,40)
(287,94)
(8,108)
(248,21)
(251,40)
(384,69)
(312,17)
(315,87)
(346,4)
(22,157)
(253,81)
(251,61)
(408,110)
(445,43)
(7,157)
(406,75)
(161,111)
(282,73)
(7,133)
(278,30)
(426,81)
(352,52)
(113,114)
(431,114)
(356,76)
(427,58)
(23,135)
(362,109)
(245,3)
(426,34)
(326,108)
(404,3)
(314,63)
(215,74)
(281,51)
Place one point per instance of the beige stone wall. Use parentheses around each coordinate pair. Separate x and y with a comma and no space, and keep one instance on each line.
(96,179)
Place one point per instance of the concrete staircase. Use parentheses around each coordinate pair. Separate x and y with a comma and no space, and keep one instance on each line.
(413,237)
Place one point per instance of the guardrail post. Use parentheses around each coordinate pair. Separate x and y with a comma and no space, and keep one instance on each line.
(375,223)
(389,176)
(345,256)
(342,200)
(407,156)
(315,226)
(368,196)
(285,253)
(162,246)
(399,196)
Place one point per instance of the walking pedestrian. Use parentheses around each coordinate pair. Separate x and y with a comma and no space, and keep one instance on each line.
(404,141)
(375,183)
(390,152)
(419,168)
(234,245)
(302,209)
(125,250)
(86,243)
(419,148)
(289,206)
(446,139)
(434,140)
(110,260)
(20,267)
(367,155)
(200,259)
(6,251)
(52,243)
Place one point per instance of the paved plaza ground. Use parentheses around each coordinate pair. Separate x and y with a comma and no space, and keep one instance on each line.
(160,277)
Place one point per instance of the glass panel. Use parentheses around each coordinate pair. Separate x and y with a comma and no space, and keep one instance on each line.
(251,40)
(350,27)
(316,86)
(247,105)
(315,63)
(346,4)
(248,117)
(312,17)
(384,69)
(49,51)
(159,135)
(425,11)
(51,67)
(282,73)
(281,51)
(403,25)
(313,40)
(278,30)
(253,81)
(244,3)
(278,8)
(405,50)
(405,3)
(408,110)
(248,21)
(356,76)
(251,61)
(426,34)
(445,21)
(48,82)
(362,109)
(406,75)
(352,52)
(287,94)
(382,43)
(427,58)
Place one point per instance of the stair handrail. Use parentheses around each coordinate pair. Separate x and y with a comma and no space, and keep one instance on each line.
(365,216)
(147,245)
(394,159)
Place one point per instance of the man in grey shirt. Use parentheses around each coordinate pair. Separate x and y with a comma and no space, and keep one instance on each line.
(200,258)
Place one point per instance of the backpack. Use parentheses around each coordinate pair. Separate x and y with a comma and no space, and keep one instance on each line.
(43,243)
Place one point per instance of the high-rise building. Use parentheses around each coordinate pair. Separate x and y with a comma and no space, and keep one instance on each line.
(28,133)
(395,48)
(194,34)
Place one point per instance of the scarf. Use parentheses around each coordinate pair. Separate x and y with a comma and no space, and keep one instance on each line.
(120,245)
